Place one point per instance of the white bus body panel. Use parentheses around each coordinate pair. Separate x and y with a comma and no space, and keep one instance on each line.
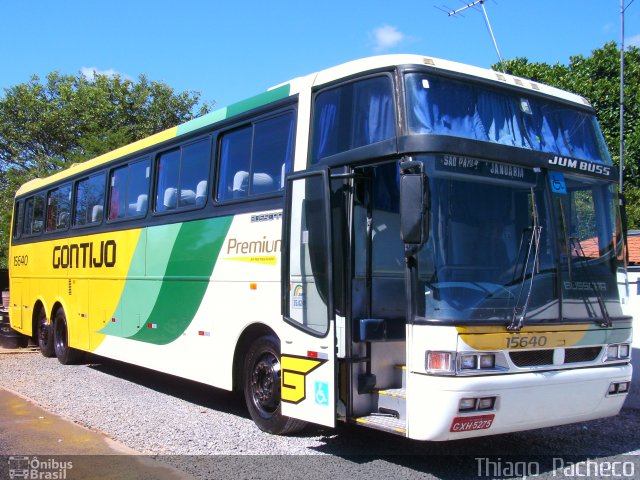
(524,401)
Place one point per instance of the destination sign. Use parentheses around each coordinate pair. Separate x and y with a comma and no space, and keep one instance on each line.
(483,168)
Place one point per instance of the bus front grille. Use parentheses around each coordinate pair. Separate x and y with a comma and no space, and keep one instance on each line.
(584,354)
(539,358)
(532,358)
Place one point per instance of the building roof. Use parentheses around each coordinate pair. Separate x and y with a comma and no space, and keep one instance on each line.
(591,248)
(633,239)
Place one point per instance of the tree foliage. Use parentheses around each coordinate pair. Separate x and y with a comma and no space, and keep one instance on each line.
(46,125)
(597,78)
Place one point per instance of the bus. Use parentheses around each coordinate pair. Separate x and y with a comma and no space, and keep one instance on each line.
(399,242)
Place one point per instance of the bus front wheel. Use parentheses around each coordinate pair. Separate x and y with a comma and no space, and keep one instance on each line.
(262,387)
(65,354)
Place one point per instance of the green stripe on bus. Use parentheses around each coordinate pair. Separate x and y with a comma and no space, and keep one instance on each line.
(186,280)
(259,100)
(235,109)
(159,242)
(203,121)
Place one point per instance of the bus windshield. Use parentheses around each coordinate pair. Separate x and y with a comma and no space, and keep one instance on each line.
(491,253)
(442,106)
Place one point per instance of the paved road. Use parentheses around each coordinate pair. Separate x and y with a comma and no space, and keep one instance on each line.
(53,444)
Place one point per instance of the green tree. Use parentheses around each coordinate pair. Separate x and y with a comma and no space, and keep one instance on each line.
(597,78)
(46,125)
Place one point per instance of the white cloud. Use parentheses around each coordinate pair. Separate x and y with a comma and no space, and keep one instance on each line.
(90,72)
(386,37)
(632,41)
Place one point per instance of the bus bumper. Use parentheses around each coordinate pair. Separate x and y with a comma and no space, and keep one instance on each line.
(523,401)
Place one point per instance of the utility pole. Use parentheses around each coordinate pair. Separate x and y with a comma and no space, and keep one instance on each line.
(622,10)
(488,24)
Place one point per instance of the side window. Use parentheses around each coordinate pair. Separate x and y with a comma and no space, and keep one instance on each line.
(235,159)
(89,200)
(353,115)
(194,172)
(18,213)
(129,190)
(59,208)
(182,177)
(33,215)
(254,159)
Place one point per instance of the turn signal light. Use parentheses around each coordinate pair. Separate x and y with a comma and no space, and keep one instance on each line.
(440,362)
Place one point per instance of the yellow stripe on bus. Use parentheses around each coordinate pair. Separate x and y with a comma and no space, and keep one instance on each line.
(120,152)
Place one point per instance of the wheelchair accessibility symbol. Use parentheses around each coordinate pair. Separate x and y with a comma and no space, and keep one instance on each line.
(558,184)
(322,393)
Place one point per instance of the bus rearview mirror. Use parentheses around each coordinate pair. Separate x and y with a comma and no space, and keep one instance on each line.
(414,208)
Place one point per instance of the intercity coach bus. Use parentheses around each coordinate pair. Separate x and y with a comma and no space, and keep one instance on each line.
(400,242)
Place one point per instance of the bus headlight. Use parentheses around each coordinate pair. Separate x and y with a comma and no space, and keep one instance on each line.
(617,352)
(468,362)
(612,352)
(486,403)
(623,352)
(467,404)
(488,361)
(477,361)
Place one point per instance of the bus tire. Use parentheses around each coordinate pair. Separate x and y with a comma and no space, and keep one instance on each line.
(65,354)
(43,335)
(261,383)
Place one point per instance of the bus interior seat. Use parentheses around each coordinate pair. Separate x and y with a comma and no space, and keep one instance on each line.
(96,213)
(240,184)
(141,204)
(201,193)
(187,197)
(262,183)
(170,198)
(63,220)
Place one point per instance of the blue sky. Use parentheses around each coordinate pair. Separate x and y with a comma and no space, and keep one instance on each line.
(234,49)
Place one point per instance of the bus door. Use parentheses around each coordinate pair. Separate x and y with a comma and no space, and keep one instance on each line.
(308,352)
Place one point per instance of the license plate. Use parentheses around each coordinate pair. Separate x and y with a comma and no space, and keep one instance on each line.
(476,422)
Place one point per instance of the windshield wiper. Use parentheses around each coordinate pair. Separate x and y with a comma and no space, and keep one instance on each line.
(576,246)
(517,320)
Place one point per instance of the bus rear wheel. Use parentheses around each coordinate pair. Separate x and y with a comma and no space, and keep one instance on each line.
(43,334)
(262,387)
(65,354)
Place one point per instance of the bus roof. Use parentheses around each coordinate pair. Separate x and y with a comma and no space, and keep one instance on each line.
(297,85)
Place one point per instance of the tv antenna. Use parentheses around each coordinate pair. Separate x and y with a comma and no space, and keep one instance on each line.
(459,11)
